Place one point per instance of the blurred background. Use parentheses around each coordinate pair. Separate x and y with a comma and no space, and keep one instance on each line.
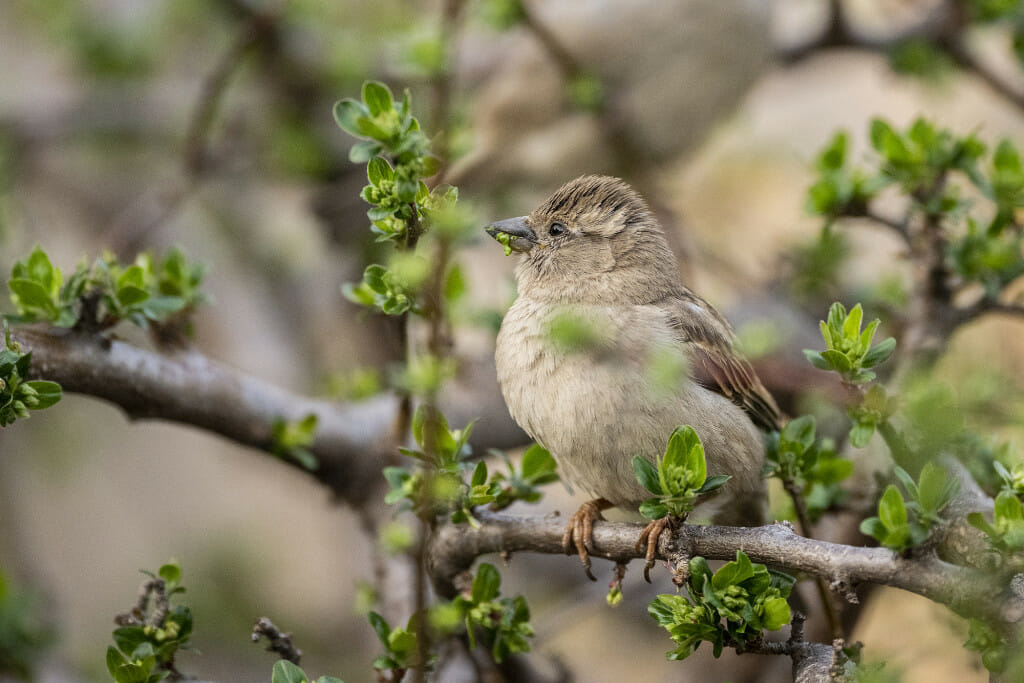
(127,125)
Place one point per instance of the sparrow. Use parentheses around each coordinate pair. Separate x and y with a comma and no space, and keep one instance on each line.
(595,262)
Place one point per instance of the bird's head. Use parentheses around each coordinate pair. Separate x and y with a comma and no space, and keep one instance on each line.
(593,241)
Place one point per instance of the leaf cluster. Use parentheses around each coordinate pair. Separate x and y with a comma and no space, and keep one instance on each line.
(439,486)
(902,524)
(732,607)
(502,624)
(103,294)
(398,158)
(678,478)
(920,161)
(145,651)
(807,464)
(290,440)
(848,349)
(18,396)
(1006,531)
(537,467)
(840,190)
(401,650)
(994,649)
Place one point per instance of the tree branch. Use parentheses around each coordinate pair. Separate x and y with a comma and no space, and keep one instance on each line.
(943,25)
(969,592)
(352,441)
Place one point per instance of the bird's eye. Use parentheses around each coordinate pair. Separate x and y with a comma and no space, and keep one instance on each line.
(557,229)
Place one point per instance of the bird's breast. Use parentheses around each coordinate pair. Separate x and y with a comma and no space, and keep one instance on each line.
(583,381)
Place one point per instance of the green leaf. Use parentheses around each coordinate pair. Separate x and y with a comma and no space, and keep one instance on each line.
(714,483)
(1006,159)
(128,638)
(906,480)
(305,458)
(891,508)
(487,583)
(379,170)
(647,474)
(170,572)
(347,112)
(286,672)
(799,431)
(733,573)
(653,509)
(886,141)
(836,316)
(380,626)
(936,489)
(31,294)
(41,269)
(454,284)
(817,360)
(834,156)
(479,474)
(130,295)
(861,433)
(851,326)
(978,521)
(47,393)
(1008,507)
(363,151)
(776,614)
(837,360)
(879,352)
(377,97)
(537,462)
(873,526)
(114,660)
(864,343)
(159,307)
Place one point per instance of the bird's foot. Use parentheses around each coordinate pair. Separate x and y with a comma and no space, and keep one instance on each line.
(579,532)
(650,536)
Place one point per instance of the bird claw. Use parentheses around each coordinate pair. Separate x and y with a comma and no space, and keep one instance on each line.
(579,532)
(650,535)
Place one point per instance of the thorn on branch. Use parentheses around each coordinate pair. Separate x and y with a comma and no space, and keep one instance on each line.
(279,642)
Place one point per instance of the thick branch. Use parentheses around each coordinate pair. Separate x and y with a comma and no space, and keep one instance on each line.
(970,592)
(352,441)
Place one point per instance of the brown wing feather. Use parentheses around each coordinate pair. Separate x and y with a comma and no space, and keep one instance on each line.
(716,364)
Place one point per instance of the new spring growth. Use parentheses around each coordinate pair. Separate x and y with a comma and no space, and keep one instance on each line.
(506,242)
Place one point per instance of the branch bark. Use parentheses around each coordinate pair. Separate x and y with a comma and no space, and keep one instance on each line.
(352,443)
(970,592)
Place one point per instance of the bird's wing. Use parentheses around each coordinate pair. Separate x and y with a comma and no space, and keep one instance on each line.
(715,362)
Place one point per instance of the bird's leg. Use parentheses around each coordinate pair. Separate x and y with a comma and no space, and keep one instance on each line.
(650,535)
(580,531)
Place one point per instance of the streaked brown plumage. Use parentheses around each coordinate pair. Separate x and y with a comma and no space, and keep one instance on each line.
(593,250)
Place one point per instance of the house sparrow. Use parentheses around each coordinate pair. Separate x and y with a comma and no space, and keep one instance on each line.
(593,254)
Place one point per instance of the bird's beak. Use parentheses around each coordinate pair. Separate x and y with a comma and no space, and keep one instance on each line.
(514,233)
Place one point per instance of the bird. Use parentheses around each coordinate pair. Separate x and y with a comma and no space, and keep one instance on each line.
(593,254)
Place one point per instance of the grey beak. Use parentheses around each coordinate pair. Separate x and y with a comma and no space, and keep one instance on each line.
(521,237)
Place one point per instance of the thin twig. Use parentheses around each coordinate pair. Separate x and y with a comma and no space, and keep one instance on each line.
(824,596)
(215,85)
(278,642)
